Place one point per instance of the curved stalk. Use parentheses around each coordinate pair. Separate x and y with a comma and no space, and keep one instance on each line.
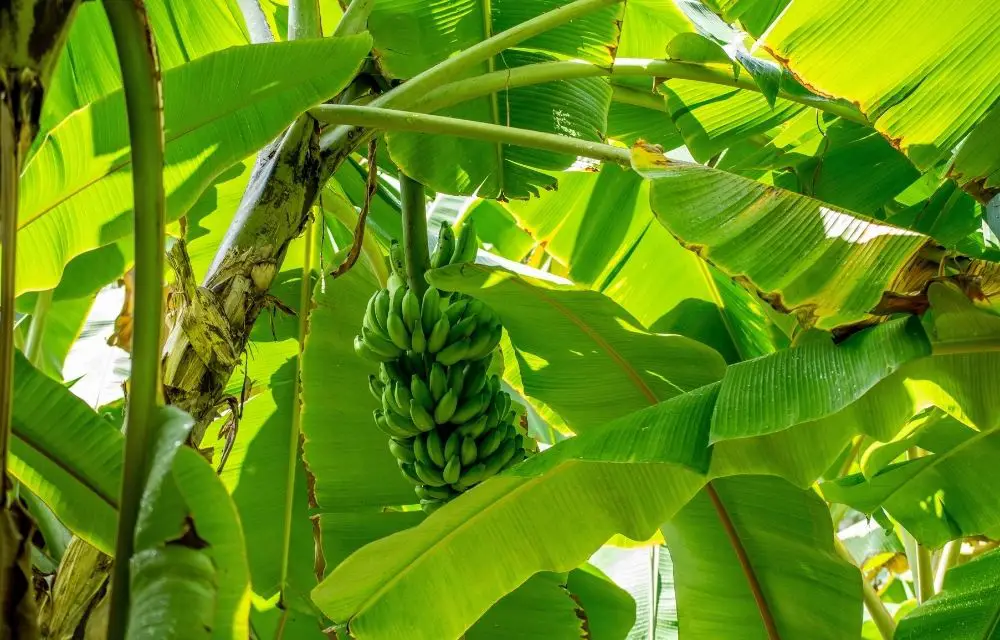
(341,141)
(355,18)
(141,75)
(539,73)
(949,556)
(393,120)
(414,233)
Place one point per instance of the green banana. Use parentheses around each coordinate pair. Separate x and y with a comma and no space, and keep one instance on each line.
(456,310)
(475,379)
(364,351)
(411,309)
(386,428)
(402,424)
(438,337)
(472,476)
(430,506)
(475,428)
(434,493)
(390,372)
(445,247)
(480,343)
(401,452)
(410,472)
(421,393)
(451,447)
(466,246)
(401,394)
(418,342)
(492,417)
(375,386)
(452,470)
(429,474)
(469,452)
(382,308)
(421,417)
(445,407)
(439,381)
(496,461)
(471,408)
(389,401)
(430,309)
(453,353)
(505,403)
(463,329)
(434,447)
(370,321)
(420,452)
(491,442)
(397,259)
(456,378)
(380,344)
(397,331)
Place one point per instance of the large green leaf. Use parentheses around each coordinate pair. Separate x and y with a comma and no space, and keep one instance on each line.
(937,497)
(606,610)
(828,265)
(549,513)
(786,539)
(76,191)
(753,15)
(66,454)
(921,72)
(968,608)
(411,37)
(588,344)
(88,67)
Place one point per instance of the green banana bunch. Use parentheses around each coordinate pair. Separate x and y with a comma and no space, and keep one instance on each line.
(449,422)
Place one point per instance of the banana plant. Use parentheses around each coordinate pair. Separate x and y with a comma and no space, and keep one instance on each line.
(564,319)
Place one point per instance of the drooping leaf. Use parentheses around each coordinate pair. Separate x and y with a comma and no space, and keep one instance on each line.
(967,608)
(411,37)
(548,514)
(589,343)
(76,190)
(541,608)
(921,72)
(66,454)
(827,265)
(785,538)
(754,15)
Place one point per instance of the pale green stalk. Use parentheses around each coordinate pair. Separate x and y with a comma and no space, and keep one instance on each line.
(341,141)
(539,73)
(393,120)
(36,330)
(143,100)
(950,554)
(414,232)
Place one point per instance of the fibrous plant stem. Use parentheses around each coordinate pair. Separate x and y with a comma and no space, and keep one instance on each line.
(36,330)
(339,142)
(393,120)
(143,99)
(414,232)
(950,554)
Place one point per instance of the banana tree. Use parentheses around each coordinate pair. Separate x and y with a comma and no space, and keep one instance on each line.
(589,319)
